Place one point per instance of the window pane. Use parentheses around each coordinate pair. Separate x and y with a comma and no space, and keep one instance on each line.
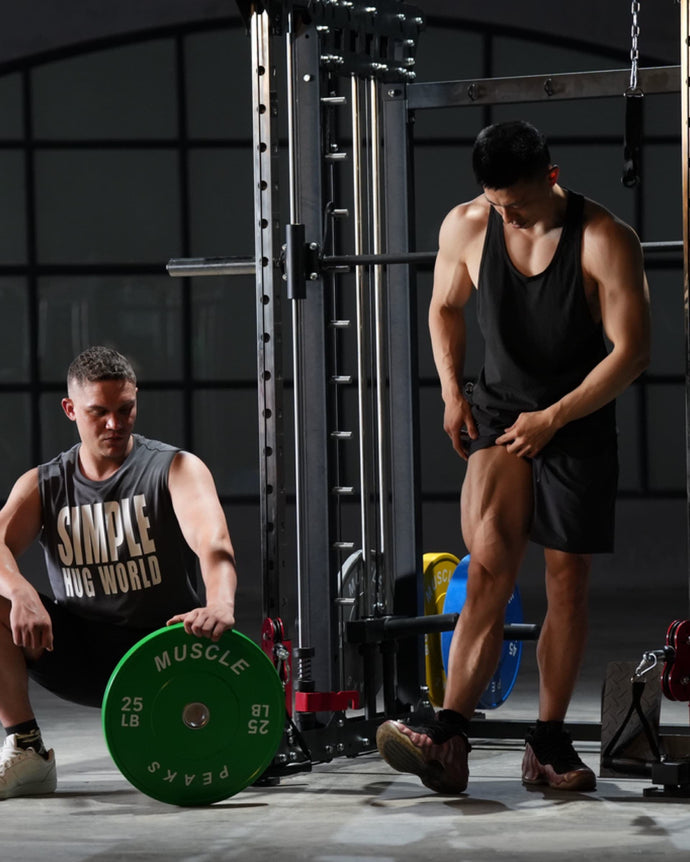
(443,179)
(14,331)
(13,209)
(218,66)
(523,57)
(447,54)
(441,468)
(111,205)
(668,321)
(628,421)
(224,333)
(662,114)
(221,203)
(139,316)
(160,416)
(125,92)
(232,457)
(666,430)
(12,125)
(595,171)
(661,175)
(15,439)
(57,432)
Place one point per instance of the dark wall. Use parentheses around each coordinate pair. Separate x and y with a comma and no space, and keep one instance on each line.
(138,153)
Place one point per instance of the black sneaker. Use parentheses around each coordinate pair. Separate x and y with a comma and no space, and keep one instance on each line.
(438,755)
(551,759)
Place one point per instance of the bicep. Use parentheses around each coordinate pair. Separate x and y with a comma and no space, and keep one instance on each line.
(453,283)
(622,286)
(21,516)
(195,501)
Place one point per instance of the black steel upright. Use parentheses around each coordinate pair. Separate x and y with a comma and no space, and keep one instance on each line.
(685,172)
(268,314)
(405,554)
(314,531)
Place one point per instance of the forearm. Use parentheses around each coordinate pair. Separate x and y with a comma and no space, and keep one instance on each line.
(605,381)
(448,340)
(12,583)
(219,575)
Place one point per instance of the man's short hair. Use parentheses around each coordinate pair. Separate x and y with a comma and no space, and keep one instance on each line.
(100,363)
(507,153)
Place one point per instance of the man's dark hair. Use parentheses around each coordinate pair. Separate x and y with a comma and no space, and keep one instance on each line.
(506,153)
(100,363)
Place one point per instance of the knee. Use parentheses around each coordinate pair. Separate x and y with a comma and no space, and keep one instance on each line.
(489,587)
(567,580)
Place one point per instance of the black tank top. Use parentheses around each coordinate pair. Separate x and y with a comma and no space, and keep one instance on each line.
(540,338)
(114,550)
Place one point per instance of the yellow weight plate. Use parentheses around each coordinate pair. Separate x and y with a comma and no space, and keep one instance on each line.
(438,571)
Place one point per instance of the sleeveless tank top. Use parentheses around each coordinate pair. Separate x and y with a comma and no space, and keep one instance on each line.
(540,340)
(114,550)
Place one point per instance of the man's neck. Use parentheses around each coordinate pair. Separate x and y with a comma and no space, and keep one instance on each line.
(98,469)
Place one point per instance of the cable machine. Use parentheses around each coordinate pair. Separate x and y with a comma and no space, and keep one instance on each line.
(350,96)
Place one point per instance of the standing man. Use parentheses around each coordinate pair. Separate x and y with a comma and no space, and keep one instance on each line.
(120,518)
(554,273)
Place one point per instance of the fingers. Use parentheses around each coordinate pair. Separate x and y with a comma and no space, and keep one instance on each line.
(459,441)
(471,427)
(202,624)
(36,636)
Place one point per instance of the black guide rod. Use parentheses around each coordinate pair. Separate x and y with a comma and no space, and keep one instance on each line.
(363,348)
(390,628)
(380,347)
(201,266)
(685,179)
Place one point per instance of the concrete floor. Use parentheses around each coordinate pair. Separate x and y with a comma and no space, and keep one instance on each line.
(348,811)
(360,810)
(356,810)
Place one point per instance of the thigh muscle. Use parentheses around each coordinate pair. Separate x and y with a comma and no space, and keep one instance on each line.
(496,503)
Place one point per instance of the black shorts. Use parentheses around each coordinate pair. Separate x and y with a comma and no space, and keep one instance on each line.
(85,653)
(574,481)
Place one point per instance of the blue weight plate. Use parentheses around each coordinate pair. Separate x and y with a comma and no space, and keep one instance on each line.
(503,680)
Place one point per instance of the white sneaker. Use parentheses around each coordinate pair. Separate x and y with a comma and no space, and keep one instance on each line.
(25,773)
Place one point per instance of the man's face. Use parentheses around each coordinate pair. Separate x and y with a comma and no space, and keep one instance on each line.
(523,204)
(104,411)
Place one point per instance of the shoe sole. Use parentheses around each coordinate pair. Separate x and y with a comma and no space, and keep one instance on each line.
(29,790)
(399,751)
(582,781)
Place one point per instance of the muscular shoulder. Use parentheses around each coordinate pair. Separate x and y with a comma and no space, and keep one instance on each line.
(187,469)
(605,235)
(20,517)
(465,222)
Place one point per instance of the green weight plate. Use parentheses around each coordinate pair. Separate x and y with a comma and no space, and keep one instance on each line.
(190,722)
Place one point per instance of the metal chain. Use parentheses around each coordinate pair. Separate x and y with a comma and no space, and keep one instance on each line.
(634,53)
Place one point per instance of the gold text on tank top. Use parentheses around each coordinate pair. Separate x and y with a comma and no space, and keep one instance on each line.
(110,541)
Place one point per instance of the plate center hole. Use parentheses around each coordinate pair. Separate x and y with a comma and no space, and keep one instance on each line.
(196,715)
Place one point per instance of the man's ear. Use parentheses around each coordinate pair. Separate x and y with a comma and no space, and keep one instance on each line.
(554,172)
(68,407)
